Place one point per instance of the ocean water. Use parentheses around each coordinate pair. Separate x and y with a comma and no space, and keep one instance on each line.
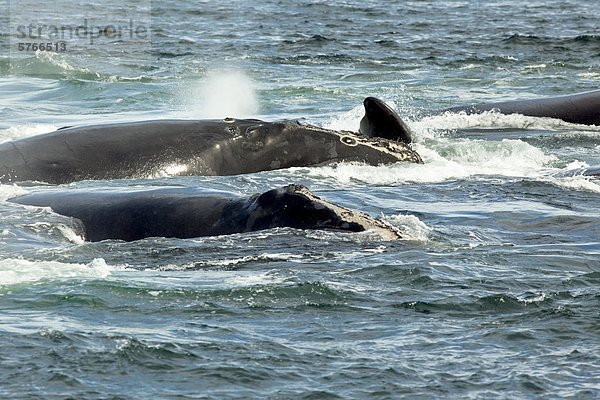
(494,293)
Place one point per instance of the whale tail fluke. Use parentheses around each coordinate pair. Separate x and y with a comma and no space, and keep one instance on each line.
(381,121)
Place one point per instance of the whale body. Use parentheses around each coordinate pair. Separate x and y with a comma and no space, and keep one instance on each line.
(189,212)
(152,149)
(580,108)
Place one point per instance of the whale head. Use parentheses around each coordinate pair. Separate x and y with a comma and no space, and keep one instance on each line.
(268,146)
(295,206)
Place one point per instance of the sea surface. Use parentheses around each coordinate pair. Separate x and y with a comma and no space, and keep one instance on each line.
(494,293)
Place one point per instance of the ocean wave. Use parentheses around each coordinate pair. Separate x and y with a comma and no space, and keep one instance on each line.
(309,40)
(234,263)
(58,66)
(492,303)
(578,183)
(549,40)
(16,271)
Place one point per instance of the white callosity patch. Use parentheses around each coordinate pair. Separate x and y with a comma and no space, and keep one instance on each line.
(382,228)
(398,150)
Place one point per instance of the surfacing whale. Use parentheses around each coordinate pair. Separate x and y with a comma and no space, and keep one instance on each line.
(593,171)
(188,212)
(151,149)
(580,108)
(192,147)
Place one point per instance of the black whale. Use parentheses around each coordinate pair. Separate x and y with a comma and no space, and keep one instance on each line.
(580,108)
(203,147)
(230,146)
(188,213)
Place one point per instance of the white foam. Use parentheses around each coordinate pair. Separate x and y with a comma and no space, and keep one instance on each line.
(349,121)
(494,120)
(229,262)
(580,183)
(254,279)
(536,66)
(507,157)
(572,177)
(445,160)
(577,165)
(590,75)
(412,228)
(70,234)
(15,271)
(216,278)
(10,191)
(449,158)
(58,60)
(22,131)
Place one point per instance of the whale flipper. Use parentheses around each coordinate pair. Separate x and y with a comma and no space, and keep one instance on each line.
(381,121)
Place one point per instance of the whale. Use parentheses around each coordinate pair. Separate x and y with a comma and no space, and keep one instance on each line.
(161,148)
(176,212)
(164,148)
(593,172)
(579,108)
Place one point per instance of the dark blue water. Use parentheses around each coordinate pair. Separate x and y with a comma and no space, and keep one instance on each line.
(495,292)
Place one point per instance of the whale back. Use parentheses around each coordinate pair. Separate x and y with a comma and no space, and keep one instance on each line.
(190,212)
(581,108)
(152,149)
(285,144)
